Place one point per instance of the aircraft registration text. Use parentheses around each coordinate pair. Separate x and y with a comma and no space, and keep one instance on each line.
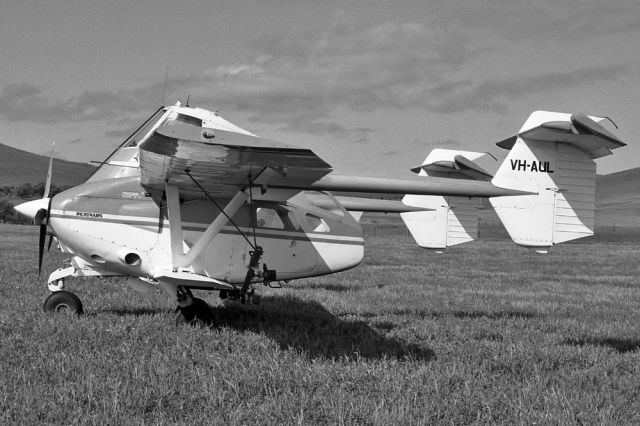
(533,166)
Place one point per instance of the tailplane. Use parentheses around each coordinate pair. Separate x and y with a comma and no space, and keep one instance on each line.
(553,157)
(550,162)
(447,220)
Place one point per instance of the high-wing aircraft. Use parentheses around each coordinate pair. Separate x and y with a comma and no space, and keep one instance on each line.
(191,201)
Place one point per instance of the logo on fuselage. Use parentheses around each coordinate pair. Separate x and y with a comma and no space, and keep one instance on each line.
(531,166)
(88,214)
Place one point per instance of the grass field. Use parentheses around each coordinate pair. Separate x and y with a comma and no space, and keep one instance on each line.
(486,333)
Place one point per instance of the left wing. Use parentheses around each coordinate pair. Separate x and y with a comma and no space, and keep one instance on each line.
(222,161)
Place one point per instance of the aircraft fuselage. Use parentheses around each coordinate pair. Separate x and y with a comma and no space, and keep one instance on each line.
(114,227)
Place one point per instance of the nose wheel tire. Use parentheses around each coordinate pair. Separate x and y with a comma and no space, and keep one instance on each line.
(63,302)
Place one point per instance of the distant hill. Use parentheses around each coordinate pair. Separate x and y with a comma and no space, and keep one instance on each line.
(18,167)
(618,198)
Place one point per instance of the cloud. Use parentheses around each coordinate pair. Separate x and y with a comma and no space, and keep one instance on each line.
(445,144)
(75,141)
(304,82)
(493,94)
(317,127)
(296,81)
(540,20)
(118,133)
(26,102)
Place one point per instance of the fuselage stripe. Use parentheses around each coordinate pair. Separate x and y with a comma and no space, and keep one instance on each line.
(228,230)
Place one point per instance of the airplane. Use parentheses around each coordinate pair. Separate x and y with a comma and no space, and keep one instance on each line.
(192,201)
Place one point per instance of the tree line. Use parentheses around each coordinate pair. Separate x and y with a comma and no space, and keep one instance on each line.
(25,191)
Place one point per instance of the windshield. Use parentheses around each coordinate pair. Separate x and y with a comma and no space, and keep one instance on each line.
(126,152)
(143,130)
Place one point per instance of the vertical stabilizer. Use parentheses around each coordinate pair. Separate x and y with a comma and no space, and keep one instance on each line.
(450,220)
(553,157)
(453,221)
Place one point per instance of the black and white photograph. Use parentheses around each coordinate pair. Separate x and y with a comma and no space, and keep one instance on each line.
(319,213)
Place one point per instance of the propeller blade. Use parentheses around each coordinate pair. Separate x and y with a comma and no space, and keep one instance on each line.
(49,209)
(47,186)
(43,237)
(40,217)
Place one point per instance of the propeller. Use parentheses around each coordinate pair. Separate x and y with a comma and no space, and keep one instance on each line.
(36,210)
(45,222)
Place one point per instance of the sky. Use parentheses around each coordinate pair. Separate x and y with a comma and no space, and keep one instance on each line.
(371,86)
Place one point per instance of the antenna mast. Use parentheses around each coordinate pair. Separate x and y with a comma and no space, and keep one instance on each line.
(164,86)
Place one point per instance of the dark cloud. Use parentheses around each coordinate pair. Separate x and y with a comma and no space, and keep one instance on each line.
(361,135)
(26,102)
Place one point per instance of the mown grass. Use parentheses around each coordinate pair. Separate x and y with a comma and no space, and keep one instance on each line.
(486,333)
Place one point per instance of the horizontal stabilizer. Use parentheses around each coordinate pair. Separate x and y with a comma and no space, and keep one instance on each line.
(577,130)
(453,164)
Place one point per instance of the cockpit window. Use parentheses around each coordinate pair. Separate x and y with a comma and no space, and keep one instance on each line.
(183,118)
(324,201)
(270,215)
(316,223)
(268,218)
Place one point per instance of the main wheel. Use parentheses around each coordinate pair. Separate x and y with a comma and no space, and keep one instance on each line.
(63,301)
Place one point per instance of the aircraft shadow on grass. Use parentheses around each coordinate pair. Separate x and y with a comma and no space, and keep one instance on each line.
(622,346)
(307,326)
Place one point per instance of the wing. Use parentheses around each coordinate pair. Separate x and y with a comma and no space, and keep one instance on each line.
(222,161)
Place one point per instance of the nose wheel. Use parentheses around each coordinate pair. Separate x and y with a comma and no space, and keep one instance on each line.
(63,302)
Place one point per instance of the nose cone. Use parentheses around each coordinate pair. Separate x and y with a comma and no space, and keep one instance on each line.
(31,208)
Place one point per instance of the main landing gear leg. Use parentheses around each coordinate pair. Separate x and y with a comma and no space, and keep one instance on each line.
(191,310)
(246,293)
(61,300)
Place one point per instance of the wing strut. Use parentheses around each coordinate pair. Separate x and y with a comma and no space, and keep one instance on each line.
(178,257)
